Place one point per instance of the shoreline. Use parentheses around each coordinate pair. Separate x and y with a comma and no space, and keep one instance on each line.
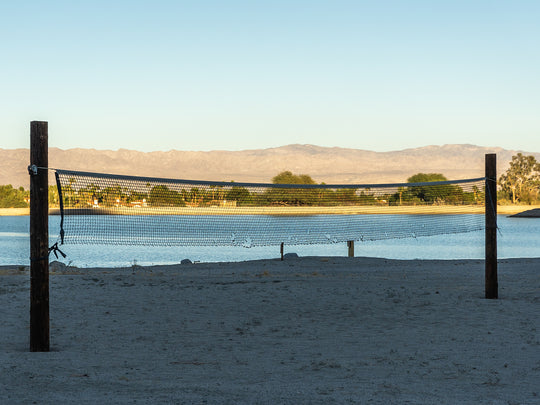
(14,212)
(288,211)
(58,268)
(281,211)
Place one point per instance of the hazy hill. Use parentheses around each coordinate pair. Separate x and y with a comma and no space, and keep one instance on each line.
(329,165)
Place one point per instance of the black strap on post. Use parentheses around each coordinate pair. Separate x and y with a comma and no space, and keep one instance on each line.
(54,249)
(59,187)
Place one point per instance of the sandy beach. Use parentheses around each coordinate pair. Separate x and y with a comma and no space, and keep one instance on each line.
(305,330)
(4,212)
(372,210)
(284,211)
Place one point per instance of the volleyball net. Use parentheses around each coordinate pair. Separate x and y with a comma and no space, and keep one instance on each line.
(100,208)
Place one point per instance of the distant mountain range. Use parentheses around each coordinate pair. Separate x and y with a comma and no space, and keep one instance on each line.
(323,164)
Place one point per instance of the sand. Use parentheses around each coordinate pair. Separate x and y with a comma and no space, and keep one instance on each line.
(305,330)
(373,210)
(14,212)
(283,211)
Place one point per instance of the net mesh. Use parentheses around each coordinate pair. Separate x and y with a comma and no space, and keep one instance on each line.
(128,210)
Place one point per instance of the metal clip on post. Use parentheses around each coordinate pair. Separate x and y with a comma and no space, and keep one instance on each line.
(32,170)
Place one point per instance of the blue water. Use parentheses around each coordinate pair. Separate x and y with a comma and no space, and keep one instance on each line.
(517,237)
(258,230)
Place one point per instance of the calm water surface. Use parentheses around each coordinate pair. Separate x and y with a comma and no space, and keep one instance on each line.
(517,237)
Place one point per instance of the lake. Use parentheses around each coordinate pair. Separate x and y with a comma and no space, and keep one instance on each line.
(517,237)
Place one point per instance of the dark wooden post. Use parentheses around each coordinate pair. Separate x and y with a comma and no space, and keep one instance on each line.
(281,250)
(492,287)
(39,237)
(350,245)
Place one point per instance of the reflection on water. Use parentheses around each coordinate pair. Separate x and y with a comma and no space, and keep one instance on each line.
(518,237)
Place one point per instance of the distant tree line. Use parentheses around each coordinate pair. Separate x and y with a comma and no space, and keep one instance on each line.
(13,197)
(162,195)
(520,184)
(435,194)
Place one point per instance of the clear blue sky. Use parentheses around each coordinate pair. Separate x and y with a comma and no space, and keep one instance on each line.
(205,75)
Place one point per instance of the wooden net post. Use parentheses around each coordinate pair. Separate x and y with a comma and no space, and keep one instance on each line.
(491,227)
(39,237)
(350,246)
